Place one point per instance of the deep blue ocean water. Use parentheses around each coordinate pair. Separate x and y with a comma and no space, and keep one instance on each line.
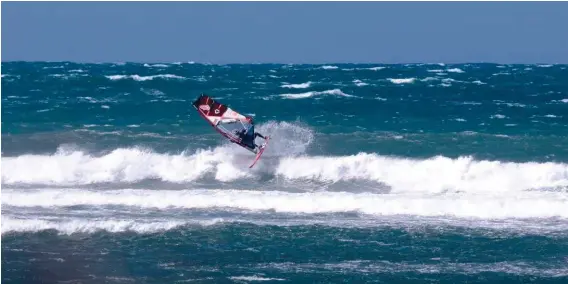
(416,173)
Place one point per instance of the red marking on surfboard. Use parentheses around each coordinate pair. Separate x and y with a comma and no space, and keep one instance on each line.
(260,152)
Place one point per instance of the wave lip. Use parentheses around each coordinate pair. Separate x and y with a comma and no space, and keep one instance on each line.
(144,78)
(335,92)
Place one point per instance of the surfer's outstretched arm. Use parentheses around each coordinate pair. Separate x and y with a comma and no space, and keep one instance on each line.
(259,135)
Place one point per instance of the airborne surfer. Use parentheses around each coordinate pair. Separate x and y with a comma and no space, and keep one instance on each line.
(225,120)
(249,139)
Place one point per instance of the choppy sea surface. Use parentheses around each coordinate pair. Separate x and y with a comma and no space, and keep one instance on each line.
(416,173)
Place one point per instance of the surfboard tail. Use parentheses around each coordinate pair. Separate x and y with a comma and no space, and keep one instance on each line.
(262,148)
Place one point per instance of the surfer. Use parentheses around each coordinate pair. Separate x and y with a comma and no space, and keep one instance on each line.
(231,124)
(249,139)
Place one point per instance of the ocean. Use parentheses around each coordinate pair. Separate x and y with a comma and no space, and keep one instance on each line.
(375,173)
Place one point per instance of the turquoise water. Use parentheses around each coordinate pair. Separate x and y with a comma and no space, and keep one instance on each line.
(417,173)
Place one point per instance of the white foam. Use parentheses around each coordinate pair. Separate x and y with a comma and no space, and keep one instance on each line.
(144,78)
(335,92)
(429,79)
(297,86)
(370,68)
(455,70)
(329,67)
(156,65)
(53,67)
(376,68)
(85,225)
(64,76)
(512,104)
(254,278)
(402,81)
(89,99)
(359,83)
(500,116)
(488,204)
(450,80)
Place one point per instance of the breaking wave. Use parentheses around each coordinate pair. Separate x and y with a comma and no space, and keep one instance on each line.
(229,163)
(226,162)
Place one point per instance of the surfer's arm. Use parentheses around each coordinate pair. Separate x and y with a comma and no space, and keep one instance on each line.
(259,135)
